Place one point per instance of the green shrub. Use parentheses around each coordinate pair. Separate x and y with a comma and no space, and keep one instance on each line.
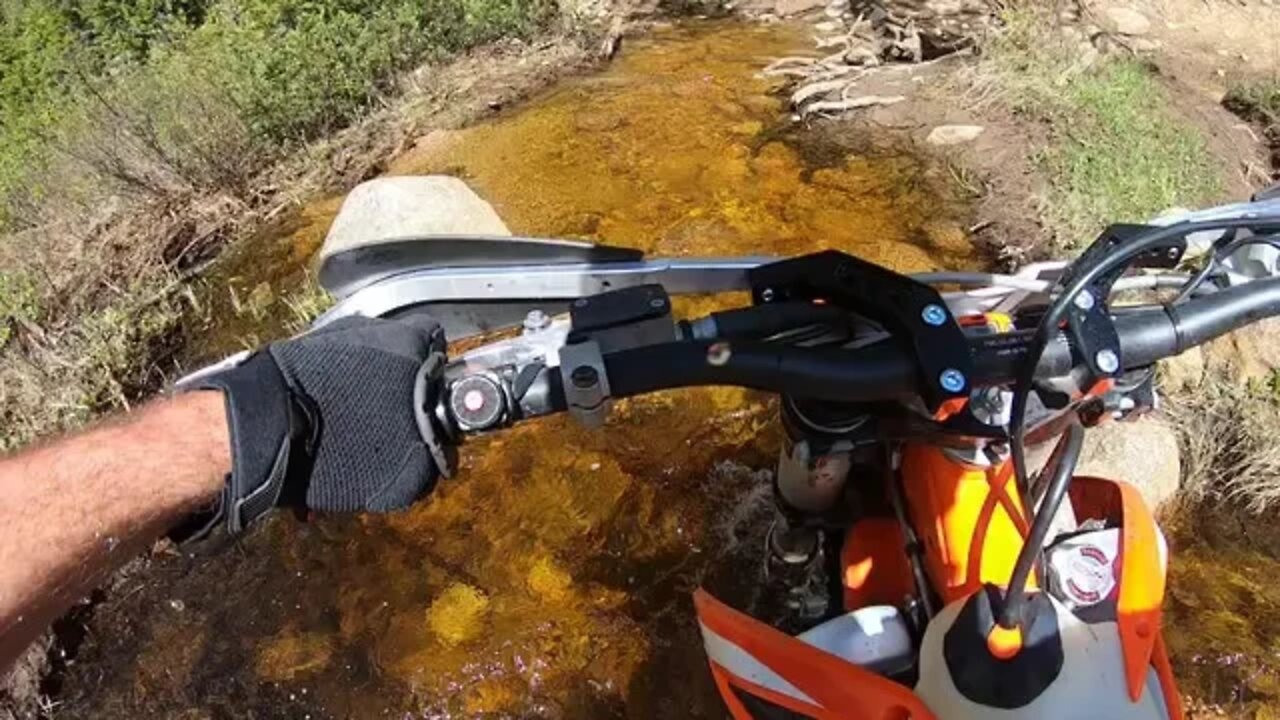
(18,302)
(155,96)
(1257,101)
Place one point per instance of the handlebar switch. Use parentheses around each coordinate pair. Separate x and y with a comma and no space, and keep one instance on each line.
(477,402)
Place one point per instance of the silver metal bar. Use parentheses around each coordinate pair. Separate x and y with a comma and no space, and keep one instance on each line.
(542,282)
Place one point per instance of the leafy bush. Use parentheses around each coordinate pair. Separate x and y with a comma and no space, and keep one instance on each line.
(157,96)
(1257,101)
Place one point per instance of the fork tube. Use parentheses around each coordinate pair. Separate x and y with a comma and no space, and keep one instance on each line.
(909,534)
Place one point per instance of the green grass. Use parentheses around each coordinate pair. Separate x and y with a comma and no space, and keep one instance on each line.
(1117,151)
(68,375)
(18,303)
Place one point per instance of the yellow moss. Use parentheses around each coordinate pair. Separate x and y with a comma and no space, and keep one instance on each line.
(549,581)
(291,655)
(458,614)
(493,695)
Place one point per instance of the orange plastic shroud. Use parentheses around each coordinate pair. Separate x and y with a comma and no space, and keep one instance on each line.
(970,520)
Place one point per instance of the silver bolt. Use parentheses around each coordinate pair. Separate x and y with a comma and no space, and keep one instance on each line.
(951,380)
(536,320)
(580,302)
(933,314)
(657,303)
(1107,361)
(718,354)
(767,295)
(1084,300)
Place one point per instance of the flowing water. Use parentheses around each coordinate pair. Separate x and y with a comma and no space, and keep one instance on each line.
(552,578)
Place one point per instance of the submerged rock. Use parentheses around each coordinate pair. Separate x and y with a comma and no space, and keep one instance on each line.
(786,8)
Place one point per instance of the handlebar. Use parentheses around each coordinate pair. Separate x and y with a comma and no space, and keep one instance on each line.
(886,371)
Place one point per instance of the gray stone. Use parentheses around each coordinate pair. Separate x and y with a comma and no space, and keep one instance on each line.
(787,8)
(945,8)
(1127,21)
(1146,45)
(393,208)
(1143,453)
(954,134)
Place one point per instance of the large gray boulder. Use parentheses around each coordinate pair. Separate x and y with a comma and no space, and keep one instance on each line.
(395,208)
(1143,453)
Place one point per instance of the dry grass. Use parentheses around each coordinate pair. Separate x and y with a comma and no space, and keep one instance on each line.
(1228,439)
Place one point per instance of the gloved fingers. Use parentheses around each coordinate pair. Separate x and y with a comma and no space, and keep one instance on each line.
(428,324)
(414,479)
(414,339)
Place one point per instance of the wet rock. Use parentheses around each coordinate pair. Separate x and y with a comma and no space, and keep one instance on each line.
(290,656)
(954,134)
(397,207)
(1143,453)
(787,8)
(1127,21)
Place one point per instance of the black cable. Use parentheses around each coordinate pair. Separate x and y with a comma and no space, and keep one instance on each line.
(1121,256)
(1062,463)
(1217,256)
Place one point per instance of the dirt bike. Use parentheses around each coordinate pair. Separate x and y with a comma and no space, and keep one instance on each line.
(926,569)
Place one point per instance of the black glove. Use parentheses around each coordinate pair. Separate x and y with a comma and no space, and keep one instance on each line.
(331,421)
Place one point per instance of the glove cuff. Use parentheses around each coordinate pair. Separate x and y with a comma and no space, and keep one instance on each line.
(269,439)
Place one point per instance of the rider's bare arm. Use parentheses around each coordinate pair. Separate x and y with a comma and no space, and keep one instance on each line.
(75,509)
(321,422)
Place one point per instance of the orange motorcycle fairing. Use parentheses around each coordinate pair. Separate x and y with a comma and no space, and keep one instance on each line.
(764,674)
(970,520)
(874,565)
(1141,580)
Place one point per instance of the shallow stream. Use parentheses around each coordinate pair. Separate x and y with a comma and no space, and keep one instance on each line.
(552,578)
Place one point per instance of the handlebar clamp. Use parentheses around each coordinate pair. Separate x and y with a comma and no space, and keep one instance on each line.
(915,313)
